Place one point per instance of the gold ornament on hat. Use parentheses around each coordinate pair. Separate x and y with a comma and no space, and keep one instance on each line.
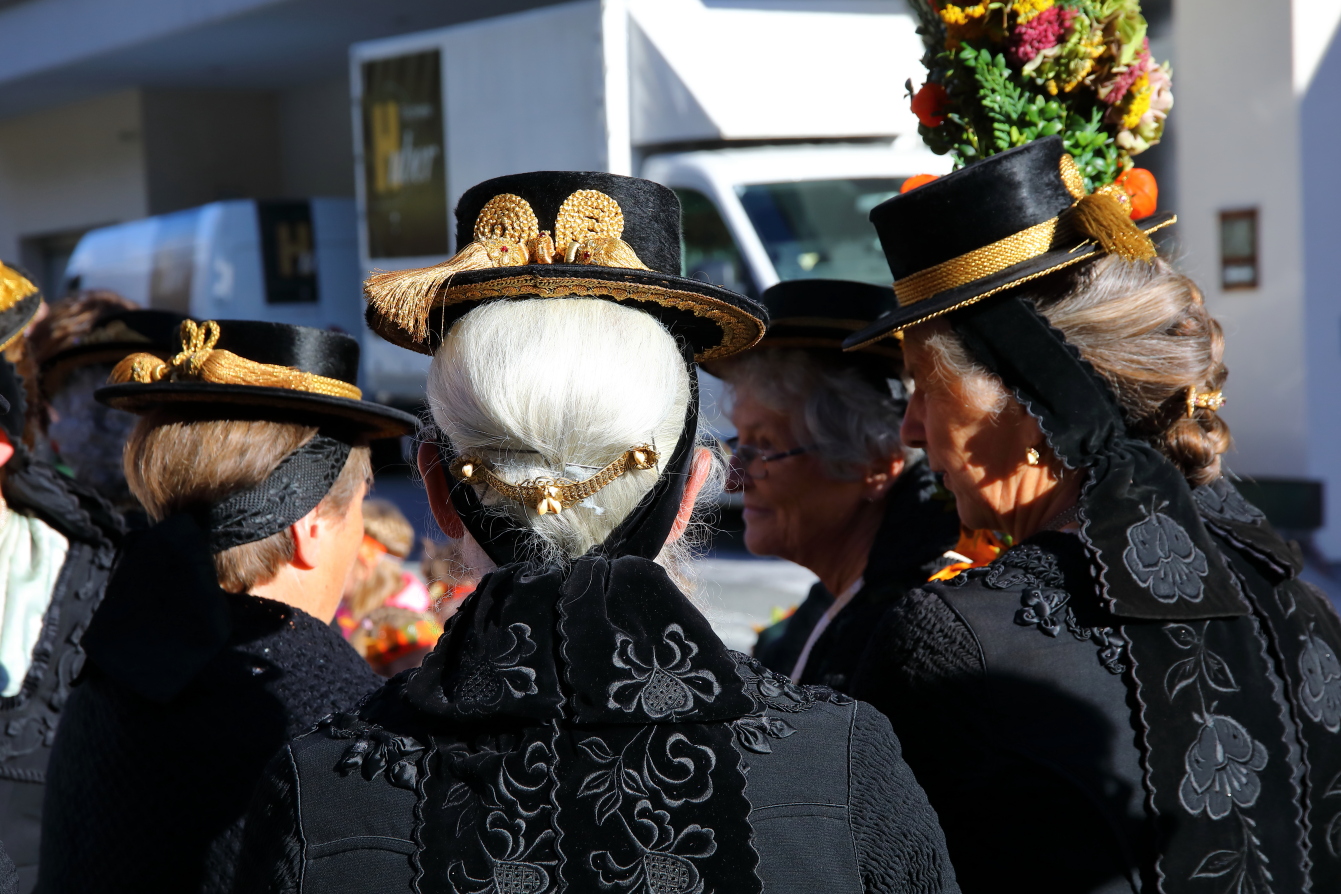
(587,231)
(551,495)
(200,361)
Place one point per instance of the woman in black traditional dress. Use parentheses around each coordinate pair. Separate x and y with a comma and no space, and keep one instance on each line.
(214,643)
(1141,694)
(825,481)
(579,726)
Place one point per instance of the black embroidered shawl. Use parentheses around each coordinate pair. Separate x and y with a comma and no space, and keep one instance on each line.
(1211,667)
(575,721)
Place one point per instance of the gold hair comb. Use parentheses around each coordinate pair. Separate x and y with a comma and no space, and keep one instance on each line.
(1203,400)
(552,495)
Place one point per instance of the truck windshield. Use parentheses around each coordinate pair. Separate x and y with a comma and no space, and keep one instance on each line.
(818,229)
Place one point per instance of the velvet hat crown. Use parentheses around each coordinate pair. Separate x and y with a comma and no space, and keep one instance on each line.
(821,313)
(112,338)
(237,366)
(999,222)
(564,234)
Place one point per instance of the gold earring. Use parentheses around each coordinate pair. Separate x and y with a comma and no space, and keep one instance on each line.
(1032,456)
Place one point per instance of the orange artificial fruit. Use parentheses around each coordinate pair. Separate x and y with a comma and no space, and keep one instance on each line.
(915,181)
(1144,191)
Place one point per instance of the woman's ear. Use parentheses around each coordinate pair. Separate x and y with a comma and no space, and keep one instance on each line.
(698,476)
(439,491)
(880,477)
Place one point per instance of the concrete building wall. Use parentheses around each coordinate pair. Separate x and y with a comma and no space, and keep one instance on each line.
(316,135)
(71,168)
(1238,147)
(1318,85)
(202,146)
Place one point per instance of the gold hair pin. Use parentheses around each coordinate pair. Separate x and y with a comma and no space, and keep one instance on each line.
(1203,400)
(552,495)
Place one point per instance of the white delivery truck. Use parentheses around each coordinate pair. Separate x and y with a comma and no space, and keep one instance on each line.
(780,125)
(289,261)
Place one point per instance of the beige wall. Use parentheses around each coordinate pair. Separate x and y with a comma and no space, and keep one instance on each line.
(1238,146)
(70,168)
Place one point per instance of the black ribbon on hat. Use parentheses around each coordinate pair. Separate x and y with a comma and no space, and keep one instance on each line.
(1140,523)
(549,683)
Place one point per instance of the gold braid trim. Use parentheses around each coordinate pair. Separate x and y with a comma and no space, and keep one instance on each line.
(587,230)
(740,330)
(200,361)
(1103,217)
(552,495)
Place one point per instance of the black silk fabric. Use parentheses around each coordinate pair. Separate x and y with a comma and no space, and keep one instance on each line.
(576,717)
(293,490)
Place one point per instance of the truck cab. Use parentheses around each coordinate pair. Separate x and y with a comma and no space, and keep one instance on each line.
(755,216)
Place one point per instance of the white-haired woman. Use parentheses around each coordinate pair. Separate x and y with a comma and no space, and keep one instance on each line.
(579,727)
(825,480)
(1140,694)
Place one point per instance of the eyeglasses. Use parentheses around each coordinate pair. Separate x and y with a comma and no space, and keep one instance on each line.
(744,456)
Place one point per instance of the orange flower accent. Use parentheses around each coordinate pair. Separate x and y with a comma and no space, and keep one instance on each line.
(979,547)
(1144,191)
(915,181)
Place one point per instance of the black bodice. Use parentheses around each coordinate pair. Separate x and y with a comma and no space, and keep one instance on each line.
(1161,754)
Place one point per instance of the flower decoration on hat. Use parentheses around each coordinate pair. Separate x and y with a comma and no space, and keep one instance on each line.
(1004,73)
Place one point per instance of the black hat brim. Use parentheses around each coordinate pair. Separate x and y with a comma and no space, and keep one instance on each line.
(816,334)
(371,420)
(714,320)
(950,300)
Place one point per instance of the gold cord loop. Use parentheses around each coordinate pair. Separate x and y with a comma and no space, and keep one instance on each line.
(546,494)
(200,361)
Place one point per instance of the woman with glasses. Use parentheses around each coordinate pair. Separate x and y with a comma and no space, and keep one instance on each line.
(825,480)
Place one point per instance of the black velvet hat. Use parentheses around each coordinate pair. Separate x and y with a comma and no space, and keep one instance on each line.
(112,339)
(564,234)
(290,373)
(821,313)
(1005,220)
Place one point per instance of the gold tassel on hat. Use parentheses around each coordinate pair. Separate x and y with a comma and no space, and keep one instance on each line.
(587,230)
(200,361)
(1105,217)
(503,229)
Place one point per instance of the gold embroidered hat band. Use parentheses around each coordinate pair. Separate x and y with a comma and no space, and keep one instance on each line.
(996,224)
(547,495)
(564,234)
(225,366)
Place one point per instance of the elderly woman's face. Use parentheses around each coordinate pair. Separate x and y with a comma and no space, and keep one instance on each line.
(980,454)
(797,508)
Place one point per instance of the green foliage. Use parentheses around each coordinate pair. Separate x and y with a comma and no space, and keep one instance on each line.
(1006,111)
